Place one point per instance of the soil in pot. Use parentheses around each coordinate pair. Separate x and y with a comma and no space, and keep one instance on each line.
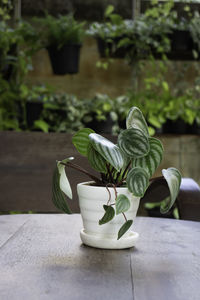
(65,60)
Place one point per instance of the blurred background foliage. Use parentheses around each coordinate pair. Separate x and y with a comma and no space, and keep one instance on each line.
(147,44)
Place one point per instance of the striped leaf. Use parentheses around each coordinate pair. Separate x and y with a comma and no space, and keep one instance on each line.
(110,152)
(137,181)
(136,118)
(173,178)
(60,185)
(122,204)
(96,161)
(81,140)
(152,160)
(108,216)
(124,228)
(134,143)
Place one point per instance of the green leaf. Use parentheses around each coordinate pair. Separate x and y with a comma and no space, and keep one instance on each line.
(108,216)
(58,197)
(44,126)
(173,178)
(133,142)
(109,10)
(137,181)
(136,118)
(96,160)
(110,152)
(64,182)
(81,140)
(124,228)
(122,204)
(152,160)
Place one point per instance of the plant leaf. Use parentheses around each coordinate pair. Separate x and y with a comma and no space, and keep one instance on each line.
(134,143)
(136,118)
(108,11)
(173,178)
(44,126)
(81,140)
(137,181)
(108,150)
(122,204)
(152,160)
(96,160)
(58,197)
(108,216)
(124,228)
(64,182)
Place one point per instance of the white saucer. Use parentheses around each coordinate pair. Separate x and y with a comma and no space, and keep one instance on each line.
(104,242)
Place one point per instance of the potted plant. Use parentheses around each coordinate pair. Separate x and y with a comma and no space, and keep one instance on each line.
(62,37)
(111,34)
(109,203)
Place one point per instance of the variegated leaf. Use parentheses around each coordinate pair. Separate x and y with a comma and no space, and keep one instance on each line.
(134,143)
(173,178)
(152,160)
(122,204)
(64,182)
(137,181)
(95,159)
(81,140)
(136,118)
(110,152)
(58,196)
(108,216)
(125,227)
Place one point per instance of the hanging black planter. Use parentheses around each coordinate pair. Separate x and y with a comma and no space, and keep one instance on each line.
(182,45)
(65,60)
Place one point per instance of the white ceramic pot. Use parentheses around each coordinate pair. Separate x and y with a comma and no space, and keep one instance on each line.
(91,201)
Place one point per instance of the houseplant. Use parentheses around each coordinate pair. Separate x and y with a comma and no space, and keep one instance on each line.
(62,37)
(126,170)
(111,33)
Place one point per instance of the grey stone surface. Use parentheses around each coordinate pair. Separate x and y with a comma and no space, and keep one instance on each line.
(44,259)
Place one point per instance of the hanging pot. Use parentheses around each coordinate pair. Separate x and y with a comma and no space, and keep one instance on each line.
(91,201)
(182,45)
(66,59)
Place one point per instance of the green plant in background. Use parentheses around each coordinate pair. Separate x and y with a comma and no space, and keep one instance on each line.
(110,35)
(63,113)
(60,30)
(131,162)
(101,108)
(17,45)
(6,7)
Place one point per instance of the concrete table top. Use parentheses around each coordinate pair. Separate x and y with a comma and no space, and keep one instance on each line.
(41,257)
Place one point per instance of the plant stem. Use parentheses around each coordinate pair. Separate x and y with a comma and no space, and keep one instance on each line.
(123,175)
(78,168)
(109,194)
(110,174)
(124,216)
